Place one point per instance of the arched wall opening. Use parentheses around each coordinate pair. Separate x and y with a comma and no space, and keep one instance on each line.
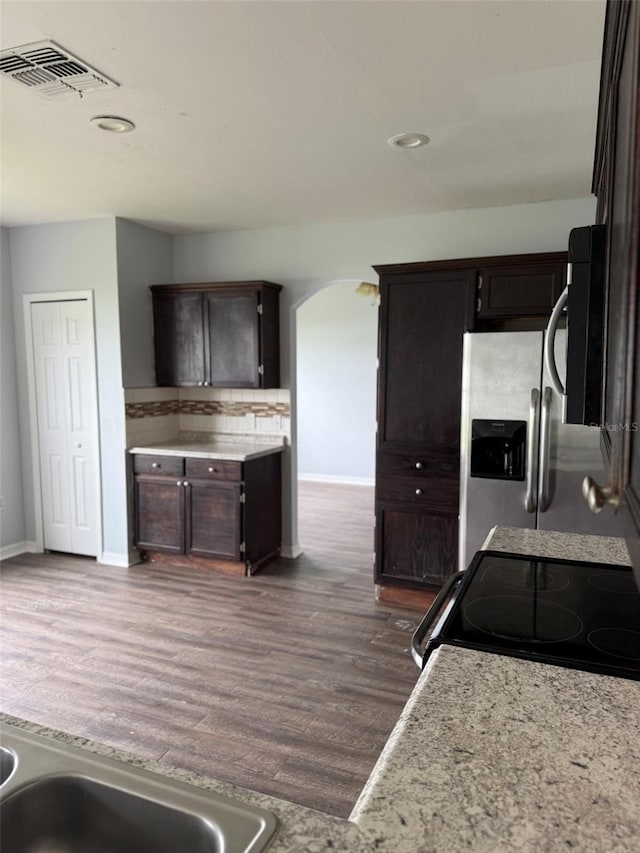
(333,361)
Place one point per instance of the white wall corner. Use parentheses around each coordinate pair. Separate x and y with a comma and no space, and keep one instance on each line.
(291,552)
(124,561)
(25,547)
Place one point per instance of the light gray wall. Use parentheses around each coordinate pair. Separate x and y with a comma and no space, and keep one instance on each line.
(337,332)
(307,258)
(12,528)
(144,257)
(65,257)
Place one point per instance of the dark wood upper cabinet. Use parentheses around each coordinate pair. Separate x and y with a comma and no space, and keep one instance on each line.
(519,292)
(222,334)
(616,183)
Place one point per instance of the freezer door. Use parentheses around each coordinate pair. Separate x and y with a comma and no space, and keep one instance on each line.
(568,452)
(501,376)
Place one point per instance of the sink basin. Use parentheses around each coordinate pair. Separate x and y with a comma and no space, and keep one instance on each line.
(78,815)
(7,764)
(55,797)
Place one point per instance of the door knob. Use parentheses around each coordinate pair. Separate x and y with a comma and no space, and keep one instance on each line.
(598,496)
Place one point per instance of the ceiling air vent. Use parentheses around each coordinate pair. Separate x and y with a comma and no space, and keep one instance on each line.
(51,71)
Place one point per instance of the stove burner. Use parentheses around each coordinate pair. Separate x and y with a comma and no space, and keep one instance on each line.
(532,577)
(517,618)
(617,642)
(614,582)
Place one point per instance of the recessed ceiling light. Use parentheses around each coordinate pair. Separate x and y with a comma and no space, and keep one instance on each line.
(408,140)
(112,124)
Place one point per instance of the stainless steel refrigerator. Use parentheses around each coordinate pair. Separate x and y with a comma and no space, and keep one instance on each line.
(520,465)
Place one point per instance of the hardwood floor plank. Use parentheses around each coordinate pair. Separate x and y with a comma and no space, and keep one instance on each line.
(288,682)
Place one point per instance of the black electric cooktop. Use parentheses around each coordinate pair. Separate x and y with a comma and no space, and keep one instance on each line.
(575,614)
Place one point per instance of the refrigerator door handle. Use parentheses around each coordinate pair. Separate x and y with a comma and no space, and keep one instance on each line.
(545,439)
(532,452)
(550,341)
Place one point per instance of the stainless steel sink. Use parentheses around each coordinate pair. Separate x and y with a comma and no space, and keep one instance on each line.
(59,798)
(7,764)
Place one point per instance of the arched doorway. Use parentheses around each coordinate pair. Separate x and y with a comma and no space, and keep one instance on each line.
(334,417)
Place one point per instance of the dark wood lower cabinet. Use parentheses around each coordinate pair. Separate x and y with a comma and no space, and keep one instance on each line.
(228,513)
(414,545)
(160,502)
(214,520)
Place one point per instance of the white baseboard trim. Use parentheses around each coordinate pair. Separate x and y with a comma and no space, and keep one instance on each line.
(337,478)
(25,547)
(114,558)
(291,552)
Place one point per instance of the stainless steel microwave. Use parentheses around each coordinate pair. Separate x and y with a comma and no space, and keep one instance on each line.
(583,299)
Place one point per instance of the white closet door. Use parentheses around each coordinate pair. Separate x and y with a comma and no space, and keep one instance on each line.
(66,396)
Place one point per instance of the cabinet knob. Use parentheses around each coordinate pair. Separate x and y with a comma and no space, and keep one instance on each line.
(211,470)
(419,466)
(185,483)
(206,384)
(418,491)
(200,384)
(156,465)
(598,496)
(179,483)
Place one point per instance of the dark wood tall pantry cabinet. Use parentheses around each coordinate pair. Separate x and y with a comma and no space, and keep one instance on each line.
(425,309)
(616,183)
(422,317)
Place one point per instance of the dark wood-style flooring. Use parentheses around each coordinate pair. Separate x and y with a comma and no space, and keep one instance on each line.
(288,682)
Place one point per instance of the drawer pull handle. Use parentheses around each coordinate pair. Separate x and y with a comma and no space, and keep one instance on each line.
(419,466)
(418,491)
(598,496)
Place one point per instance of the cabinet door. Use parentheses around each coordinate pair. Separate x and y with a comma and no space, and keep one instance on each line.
(159,513)
(178,338)
(618,188)
(519,291)
(214,519)
(415,547)
(422,320)
(233,345)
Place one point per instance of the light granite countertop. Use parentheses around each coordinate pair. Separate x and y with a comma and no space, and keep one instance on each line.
(491,753)
(234,451)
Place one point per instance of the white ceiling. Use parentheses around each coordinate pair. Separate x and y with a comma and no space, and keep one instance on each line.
(254,114)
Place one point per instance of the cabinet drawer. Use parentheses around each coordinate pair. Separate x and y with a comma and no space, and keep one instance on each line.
(213,469)
(144,463)
(419,464)
(439,494)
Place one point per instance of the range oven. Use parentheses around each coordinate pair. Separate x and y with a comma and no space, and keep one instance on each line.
(575,614)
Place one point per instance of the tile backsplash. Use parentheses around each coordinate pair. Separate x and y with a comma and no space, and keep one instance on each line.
(158,414)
